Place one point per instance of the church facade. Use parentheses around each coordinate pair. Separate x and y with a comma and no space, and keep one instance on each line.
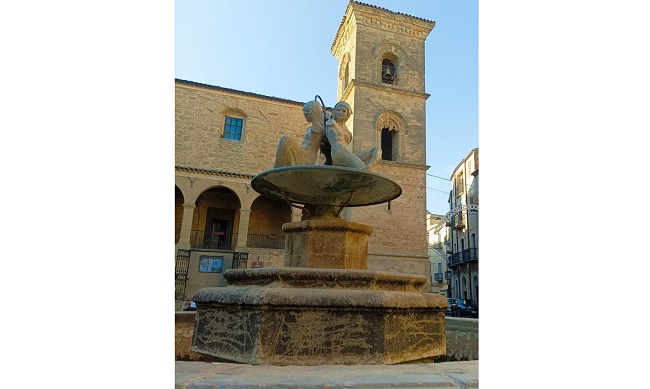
(224,137)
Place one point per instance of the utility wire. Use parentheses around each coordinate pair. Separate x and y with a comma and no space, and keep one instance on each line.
(438,177)
(447,179)
(438,190)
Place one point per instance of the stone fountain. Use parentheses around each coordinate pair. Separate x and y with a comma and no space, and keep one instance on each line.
(324,306)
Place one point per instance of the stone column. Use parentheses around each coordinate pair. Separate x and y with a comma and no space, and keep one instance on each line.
(186,226)
(242,231)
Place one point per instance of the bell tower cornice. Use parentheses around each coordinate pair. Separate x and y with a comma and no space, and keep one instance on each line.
(360,14)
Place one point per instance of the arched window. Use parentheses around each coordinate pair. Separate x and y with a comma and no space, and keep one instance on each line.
(390,125)
(344,72)
(388,71)
(392,58)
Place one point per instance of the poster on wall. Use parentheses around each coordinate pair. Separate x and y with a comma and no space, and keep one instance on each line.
(210,264)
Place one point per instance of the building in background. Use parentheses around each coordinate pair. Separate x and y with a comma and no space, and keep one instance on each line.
(440,275)
(461,223)
(225,137)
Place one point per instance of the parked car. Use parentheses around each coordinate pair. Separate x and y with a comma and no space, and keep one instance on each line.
(465,308)
(191,307)
(450,308)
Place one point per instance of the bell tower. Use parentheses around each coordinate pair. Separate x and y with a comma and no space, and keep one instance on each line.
(380,56)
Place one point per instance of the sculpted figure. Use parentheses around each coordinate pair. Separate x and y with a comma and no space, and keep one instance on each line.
(329,134)
(290,153)
(339,137)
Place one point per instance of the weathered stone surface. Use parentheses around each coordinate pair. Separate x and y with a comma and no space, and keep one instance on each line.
(184,329)
(325,278)
(461,340)
(331,243)
(273,324)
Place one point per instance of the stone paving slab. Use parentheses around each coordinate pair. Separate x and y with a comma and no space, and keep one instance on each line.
(443,375)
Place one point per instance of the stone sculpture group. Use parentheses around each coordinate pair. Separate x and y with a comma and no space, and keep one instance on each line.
(328,134)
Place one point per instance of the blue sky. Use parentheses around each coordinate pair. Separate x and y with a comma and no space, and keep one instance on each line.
(235,44)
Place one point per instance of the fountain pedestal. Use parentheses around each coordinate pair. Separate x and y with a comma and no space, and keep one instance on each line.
(324,306)
(296,316)
(326,243)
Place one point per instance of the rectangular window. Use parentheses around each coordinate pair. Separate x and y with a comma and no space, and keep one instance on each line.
(473,197)
(386,144)
(460,184)
(209,264)
(232,129)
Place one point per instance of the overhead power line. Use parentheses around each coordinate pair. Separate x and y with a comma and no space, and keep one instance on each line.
(442,178)
(438,190)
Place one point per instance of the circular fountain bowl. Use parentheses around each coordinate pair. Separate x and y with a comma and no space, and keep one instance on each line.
(326,185)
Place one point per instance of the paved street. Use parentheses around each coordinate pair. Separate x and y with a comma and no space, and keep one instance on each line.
(444,375)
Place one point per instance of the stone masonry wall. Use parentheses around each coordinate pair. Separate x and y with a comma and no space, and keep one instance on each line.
(200,119)
(462,339)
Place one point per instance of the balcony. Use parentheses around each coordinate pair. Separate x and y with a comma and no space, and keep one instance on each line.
(460,222)
(465,256)
(437,277)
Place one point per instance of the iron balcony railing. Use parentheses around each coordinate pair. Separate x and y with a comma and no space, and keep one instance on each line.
(216,241)
(456,258)
(223,241)
(470,254)
(437,276)
(464,256)
(265,241)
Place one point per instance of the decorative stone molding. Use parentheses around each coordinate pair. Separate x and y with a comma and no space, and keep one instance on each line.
(394,90)
(392,48)
(391,120)
(407,27)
